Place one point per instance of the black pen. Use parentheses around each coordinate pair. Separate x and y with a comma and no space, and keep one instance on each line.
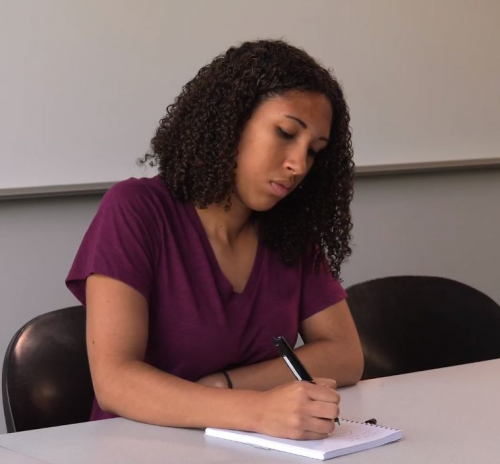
(293,362)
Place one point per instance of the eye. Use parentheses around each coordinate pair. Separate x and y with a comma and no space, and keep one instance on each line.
(287,136)
(283,134)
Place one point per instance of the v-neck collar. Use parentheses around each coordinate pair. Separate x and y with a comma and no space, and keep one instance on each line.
(221,277)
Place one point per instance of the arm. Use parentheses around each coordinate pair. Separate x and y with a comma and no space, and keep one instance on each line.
(117,333)
(332,350)
(333,334)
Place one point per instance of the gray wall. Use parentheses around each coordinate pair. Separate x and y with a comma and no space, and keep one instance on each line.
(445,224)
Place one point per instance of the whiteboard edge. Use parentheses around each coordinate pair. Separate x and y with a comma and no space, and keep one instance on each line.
(361,171)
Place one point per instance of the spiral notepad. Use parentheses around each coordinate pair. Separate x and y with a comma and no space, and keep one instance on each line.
(349,437)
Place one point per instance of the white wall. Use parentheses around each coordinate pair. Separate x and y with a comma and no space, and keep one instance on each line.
(84,82)
(444,224)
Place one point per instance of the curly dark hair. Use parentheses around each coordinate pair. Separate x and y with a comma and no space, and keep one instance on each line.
(196,144)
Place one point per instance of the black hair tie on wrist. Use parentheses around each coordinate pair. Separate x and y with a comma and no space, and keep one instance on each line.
(228,379)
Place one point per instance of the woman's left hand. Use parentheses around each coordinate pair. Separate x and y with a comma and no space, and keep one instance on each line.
(216,380)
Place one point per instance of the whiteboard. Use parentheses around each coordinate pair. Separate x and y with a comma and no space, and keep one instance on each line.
(83,83)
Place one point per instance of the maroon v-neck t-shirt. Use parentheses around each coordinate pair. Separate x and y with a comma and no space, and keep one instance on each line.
(198,325)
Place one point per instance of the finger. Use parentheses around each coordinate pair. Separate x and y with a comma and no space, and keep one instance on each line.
(321,393)
(330,383)
(306,435)
(320,426)
(322,410)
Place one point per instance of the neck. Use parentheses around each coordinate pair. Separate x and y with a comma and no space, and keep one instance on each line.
(225,226)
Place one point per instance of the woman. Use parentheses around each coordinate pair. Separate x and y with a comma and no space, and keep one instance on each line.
(188,276)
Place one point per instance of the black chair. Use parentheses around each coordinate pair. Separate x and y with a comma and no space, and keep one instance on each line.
(415,323)
(46,378)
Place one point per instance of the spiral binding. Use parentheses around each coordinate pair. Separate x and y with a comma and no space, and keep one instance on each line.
(371,425)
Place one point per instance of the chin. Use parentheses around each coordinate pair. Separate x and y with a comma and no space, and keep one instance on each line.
(262,206)
(262,209)
(259,202)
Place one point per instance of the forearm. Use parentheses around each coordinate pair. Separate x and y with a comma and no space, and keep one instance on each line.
(325,358)
(138,391)
(322,358)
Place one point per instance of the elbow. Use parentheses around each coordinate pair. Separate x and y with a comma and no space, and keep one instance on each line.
(105,390)
(357,361)
(103,396)
(104,405)
(113,385)
(359,366)
(356,366)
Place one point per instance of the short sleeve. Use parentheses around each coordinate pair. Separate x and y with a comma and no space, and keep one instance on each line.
(120,242)
(319,288)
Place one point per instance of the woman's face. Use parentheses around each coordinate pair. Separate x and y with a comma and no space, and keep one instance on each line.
(278,146)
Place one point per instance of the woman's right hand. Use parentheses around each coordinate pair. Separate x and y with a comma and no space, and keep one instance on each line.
(300,410)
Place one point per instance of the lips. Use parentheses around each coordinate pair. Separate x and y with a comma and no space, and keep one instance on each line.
(288,184)
(281,189)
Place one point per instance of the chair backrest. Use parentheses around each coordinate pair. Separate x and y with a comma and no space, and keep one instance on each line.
(414,323)
(46,378)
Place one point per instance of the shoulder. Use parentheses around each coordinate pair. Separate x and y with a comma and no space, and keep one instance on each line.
(134,202)
(141,195)
(135,189)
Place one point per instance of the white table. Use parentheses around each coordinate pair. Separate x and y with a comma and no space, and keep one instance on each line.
(449,415)
(12,457)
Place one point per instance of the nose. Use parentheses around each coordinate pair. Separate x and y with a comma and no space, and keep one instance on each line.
(296,161)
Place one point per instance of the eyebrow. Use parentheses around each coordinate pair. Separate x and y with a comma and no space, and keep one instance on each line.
(304,125)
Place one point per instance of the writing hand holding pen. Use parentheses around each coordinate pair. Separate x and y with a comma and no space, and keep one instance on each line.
(293,362)
(298,410)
